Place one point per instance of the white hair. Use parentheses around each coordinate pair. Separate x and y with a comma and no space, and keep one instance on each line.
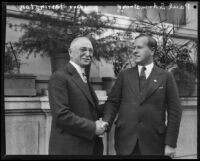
(73,43)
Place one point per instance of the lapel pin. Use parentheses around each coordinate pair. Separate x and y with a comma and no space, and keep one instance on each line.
(155,80)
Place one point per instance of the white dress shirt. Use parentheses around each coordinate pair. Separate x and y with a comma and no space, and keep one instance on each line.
(79,70)
(148,70)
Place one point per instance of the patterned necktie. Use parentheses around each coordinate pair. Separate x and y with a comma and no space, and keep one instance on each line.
(84,77)
(142,79)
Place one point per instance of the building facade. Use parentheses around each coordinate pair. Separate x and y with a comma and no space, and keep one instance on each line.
(28,119)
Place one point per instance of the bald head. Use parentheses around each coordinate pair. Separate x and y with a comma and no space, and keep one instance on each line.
(79,41)
(81,51)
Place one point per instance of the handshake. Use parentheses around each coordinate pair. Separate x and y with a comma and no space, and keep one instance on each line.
(101,127)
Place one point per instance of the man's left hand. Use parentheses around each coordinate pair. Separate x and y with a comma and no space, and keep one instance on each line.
(170,151)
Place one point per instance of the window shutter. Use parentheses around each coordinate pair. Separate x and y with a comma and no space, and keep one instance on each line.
(176,15)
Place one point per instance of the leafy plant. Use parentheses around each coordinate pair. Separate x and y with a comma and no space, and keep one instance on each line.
(169,55)
(52,30)
(11,60)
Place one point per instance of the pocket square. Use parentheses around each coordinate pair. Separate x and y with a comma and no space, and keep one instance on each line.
(161,87)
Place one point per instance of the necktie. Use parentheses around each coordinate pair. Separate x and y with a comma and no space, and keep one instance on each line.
(142,79)
(84,77)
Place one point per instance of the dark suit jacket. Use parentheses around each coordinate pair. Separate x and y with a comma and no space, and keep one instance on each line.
(143,116)
(74,112)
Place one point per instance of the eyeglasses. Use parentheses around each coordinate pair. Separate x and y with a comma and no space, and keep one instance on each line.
(85,49)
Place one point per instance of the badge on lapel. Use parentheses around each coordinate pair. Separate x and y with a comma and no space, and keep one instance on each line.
(155,81)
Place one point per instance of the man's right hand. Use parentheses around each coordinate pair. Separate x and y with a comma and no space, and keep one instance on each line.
(100,127)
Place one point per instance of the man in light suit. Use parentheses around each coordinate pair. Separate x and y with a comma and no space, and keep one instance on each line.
(75,112)
(141,97)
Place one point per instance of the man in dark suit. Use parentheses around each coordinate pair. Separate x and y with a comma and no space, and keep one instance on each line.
(75,125)
(142,96)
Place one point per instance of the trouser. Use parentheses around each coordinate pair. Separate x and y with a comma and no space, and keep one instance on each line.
(98,146)
(136,150)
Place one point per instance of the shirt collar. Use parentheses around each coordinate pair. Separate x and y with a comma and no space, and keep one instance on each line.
(149,68)
(77,67)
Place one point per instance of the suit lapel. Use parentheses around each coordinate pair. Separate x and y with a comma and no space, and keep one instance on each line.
(153,82)
(79,82)
(134,81)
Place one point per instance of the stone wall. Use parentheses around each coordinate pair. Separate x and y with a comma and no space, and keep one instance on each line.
(28,121)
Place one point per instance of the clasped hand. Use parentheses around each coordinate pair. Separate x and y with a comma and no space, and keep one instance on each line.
(170,151)
(101,126)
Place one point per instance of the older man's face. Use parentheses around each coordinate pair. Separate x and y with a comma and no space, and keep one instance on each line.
(82,52)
